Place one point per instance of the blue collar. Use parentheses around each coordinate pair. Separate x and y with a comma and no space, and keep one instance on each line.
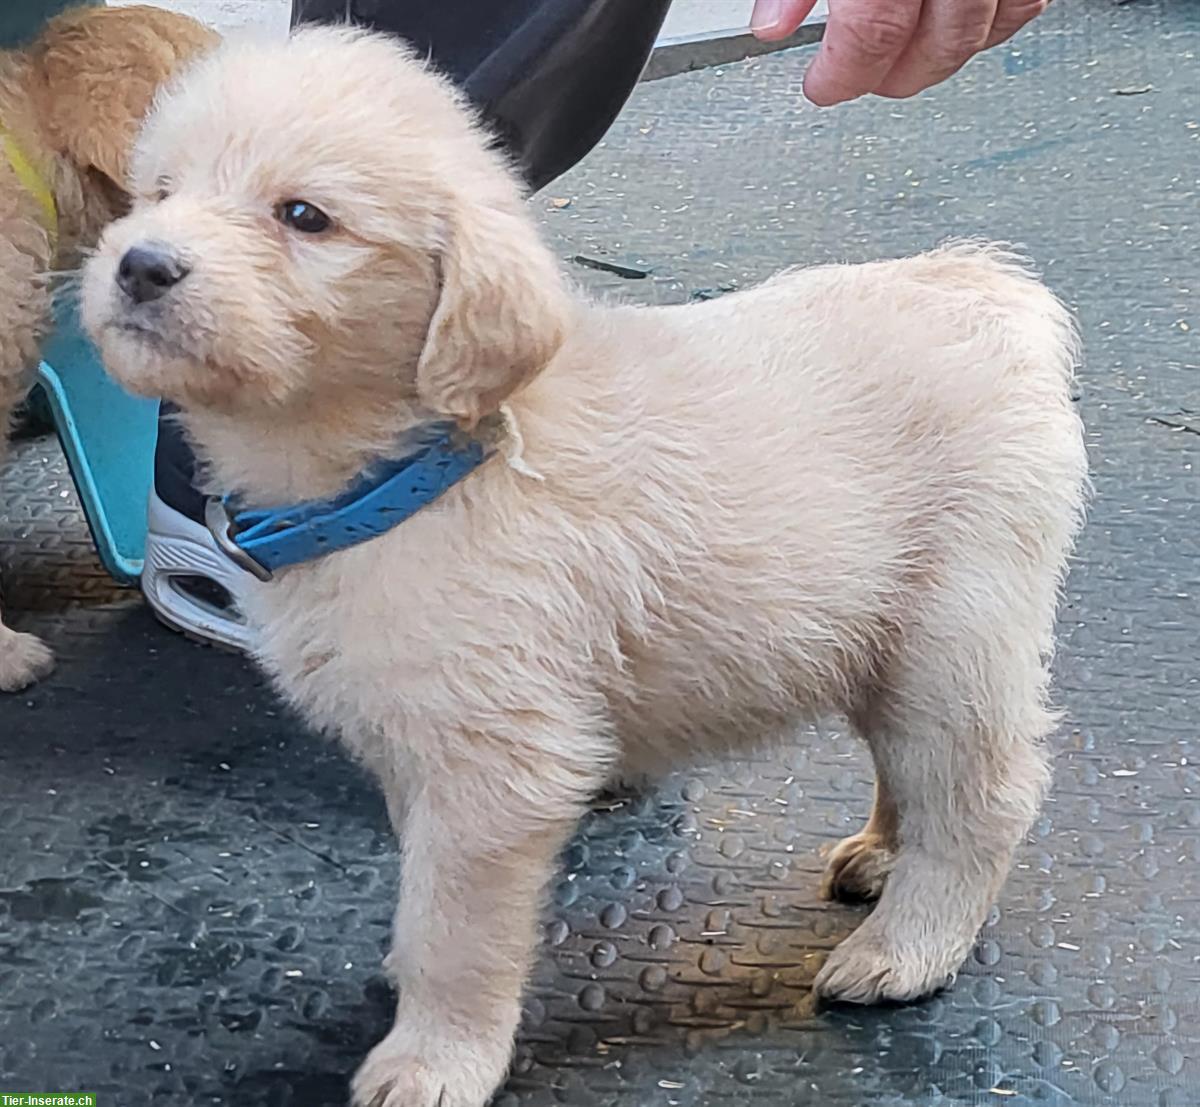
(382,497)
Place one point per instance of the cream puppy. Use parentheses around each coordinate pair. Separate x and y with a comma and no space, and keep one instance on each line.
(852,489)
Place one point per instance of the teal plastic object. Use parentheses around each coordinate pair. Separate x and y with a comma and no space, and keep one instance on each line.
(108,438)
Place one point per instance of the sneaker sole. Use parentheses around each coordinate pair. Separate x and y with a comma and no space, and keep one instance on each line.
(176,548)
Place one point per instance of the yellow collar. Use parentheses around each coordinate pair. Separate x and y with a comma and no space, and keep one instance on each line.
(33,182)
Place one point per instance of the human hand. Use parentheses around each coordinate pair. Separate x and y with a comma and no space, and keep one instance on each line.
(892,47)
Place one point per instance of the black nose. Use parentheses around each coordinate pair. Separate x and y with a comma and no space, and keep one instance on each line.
(147,271)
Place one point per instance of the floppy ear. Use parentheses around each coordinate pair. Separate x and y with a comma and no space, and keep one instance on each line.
(99,70)
(502,314)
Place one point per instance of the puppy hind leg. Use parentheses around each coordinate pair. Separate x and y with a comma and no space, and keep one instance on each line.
(857,867)
(957,736)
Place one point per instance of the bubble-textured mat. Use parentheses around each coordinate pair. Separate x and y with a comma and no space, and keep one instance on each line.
(195,893)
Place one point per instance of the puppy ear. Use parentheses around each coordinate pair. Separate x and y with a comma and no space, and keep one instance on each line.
(502,314)
(99,70)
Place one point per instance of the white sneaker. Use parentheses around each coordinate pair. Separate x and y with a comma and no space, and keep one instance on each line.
(189,583)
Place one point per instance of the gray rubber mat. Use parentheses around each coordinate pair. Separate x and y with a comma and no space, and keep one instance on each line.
(195,892)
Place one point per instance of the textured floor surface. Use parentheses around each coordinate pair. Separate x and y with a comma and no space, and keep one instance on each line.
(194,892)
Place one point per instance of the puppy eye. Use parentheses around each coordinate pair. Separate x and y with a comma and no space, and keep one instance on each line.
(162,190)
(303,216)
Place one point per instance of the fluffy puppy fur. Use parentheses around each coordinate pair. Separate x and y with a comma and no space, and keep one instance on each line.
(853,489)
(72,104)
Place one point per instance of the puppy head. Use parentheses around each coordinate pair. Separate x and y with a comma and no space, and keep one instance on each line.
(319,219)
(96,71)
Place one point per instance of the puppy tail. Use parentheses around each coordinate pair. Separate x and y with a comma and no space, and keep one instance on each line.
(1004,291)
(1028,342)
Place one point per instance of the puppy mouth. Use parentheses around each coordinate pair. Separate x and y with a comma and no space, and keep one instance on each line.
(146,334)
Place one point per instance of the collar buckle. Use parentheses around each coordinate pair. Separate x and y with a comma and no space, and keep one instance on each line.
(220,526)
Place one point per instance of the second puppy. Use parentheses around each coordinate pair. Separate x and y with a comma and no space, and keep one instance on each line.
(71,105)
(626,537)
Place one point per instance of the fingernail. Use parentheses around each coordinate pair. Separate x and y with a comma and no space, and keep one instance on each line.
(766,14)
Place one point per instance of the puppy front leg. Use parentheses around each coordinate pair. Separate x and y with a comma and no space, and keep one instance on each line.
(480,837)
(24,658)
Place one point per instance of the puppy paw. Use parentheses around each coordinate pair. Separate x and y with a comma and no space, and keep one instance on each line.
(856,869)
(872,967)
(24,658)
(401,1071)
(396,1081)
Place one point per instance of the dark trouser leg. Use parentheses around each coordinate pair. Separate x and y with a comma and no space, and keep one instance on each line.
(550,75)
(21,20)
